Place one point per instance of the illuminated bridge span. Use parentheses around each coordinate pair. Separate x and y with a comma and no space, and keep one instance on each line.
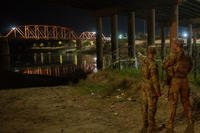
(89,36)
(42,32)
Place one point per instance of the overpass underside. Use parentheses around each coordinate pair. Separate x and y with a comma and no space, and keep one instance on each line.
(167,13)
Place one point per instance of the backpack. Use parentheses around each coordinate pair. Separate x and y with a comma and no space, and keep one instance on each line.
(183,64)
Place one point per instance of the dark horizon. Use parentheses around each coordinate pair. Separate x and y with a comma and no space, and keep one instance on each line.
(26,13)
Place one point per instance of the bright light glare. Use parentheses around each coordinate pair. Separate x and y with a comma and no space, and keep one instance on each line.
(120,36)
(13,28)
(185,34)
(94,32)
(59,42)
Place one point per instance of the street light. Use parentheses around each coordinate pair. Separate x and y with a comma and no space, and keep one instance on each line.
(185,34)
(120,36)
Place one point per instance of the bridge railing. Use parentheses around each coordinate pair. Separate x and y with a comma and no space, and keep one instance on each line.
(46,32)
(42,32)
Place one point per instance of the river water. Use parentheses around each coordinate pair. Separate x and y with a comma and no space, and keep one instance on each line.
(57,63)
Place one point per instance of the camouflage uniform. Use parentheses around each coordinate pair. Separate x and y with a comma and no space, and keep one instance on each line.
(150,91)
(179,85)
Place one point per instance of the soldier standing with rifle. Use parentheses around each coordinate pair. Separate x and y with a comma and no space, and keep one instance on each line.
(177,66)
(150,87)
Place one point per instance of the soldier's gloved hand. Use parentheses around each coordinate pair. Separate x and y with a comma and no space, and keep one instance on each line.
(139,54)
(159,94)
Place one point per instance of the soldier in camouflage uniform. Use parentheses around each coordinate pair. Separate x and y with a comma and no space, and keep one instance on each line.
(150,89)
(178,65)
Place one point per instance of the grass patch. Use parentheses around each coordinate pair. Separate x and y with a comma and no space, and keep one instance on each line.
(114,81)
(193,80)
(109,82)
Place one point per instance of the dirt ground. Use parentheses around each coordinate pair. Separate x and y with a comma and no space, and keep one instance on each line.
(64,109)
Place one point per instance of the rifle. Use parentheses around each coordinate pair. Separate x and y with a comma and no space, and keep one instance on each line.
(168,79)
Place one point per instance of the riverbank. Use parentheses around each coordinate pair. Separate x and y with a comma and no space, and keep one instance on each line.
(15,80)
(105,102)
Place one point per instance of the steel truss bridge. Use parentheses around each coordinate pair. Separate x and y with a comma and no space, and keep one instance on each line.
(45,32)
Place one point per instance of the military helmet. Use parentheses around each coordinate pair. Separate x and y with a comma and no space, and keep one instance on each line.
(151,49)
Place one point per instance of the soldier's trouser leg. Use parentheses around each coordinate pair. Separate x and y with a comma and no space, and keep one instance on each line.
(145,112)
(173,96)
(152,108)
(184,95)
(173,99)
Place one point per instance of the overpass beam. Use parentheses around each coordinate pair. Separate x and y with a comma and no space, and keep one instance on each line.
(174,24)
(114,40)
(151,27)
(99,43)
(163,47)
(131,34)
(195,57)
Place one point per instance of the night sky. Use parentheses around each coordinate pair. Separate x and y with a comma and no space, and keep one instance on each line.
(14,13)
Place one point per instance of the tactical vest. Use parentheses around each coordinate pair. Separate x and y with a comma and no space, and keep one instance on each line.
(145,69)
(182,66)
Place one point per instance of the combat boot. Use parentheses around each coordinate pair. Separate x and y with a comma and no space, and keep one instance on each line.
(143,130)
(190,119)
(154,129)
(145,126)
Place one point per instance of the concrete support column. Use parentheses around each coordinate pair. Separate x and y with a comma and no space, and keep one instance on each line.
(151,27)
(189,40)
(114,39)
(79,44)
(162,52)
(4,55)
(174,24)
(131,34)
(195,56)
(163,47)
(99,43)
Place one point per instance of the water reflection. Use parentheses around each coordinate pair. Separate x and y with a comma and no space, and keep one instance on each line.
(53,63)
(57,71)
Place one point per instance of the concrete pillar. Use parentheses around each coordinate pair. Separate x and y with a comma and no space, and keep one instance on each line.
(174,24)
(4,55)
(79,44)
(114,39)
(195,57)
(99,43)
(151,27)
(162,52)
(131,34)
(163,49)
(80,60)
(189,40)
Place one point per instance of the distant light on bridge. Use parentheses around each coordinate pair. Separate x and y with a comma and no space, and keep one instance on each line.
(13,28)
(60,42)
